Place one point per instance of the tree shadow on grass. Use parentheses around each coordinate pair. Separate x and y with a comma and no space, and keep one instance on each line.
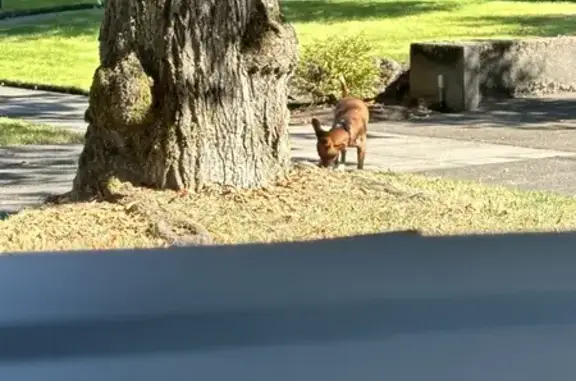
(545,26)
(540,1)
(65,24)
(327,10)
(10,5)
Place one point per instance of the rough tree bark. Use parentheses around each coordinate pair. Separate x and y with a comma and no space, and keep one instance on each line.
(189,92)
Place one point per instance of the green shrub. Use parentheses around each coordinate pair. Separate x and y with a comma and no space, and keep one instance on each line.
(323,61)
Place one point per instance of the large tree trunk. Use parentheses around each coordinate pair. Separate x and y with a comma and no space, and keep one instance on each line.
(189,92)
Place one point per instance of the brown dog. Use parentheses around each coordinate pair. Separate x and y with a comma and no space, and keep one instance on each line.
(349,129)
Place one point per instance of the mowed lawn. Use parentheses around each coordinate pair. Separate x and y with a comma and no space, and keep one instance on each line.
(62,49)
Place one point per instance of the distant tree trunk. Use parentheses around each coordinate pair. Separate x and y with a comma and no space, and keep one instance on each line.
(189,93)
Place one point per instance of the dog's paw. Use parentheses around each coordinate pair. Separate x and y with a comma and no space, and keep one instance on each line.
(340,167)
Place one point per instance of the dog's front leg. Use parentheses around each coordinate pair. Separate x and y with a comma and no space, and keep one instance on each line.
(343,156)
(336,162)
(361,151)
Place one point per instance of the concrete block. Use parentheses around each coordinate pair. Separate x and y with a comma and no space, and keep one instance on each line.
(477,68)
(428,60)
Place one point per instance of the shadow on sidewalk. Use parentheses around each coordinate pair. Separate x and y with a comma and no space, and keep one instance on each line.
(547,113)
(44,106)
(28,174)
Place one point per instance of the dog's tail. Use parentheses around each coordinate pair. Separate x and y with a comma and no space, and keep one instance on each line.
(343,86)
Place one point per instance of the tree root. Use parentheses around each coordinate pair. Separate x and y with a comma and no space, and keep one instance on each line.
(58,199)
(176,230)
(179,231)
(199,237)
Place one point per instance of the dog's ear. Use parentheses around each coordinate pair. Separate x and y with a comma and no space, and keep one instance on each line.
(318,128)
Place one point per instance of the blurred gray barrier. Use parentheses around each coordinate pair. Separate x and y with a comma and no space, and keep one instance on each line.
(388,307)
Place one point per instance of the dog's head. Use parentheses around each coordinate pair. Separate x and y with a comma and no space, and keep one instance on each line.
(327,150)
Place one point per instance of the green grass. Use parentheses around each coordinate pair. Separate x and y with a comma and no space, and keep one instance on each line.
(11,5)
(18,132)
(63,50)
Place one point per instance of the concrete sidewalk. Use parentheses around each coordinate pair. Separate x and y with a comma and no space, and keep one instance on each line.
(29,173)
(46,107)
(392,145)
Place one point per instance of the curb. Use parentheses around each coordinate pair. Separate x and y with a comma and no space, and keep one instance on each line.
(53,88)
(5,15)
